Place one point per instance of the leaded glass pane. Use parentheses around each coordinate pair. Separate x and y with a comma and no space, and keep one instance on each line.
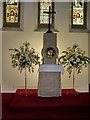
(12,11)
(44,6)
(78,12)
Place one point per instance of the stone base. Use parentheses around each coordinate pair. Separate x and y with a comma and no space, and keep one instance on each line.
(49,84)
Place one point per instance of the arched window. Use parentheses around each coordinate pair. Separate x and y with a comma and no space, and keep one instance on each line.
(79,14)
(43,18)
(11,16)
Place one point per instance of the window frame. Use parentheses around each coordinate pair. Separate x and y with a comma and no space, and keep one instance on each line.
(5,24)
(84,26)
(45,25)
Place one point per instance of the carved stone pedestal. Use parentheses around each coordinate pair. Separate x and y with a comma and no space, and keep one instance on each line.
(49,73)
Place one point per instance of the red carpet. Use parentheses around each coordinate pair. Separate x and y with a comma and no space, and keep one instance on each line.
(70,106)
(32,100)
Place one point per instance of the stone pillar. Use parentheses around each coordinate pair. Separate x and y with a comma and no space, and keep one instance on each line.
(49,83)
(49,51)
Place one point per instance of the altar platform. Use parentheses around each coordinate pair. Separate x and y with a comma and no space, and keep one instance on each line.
(70,106)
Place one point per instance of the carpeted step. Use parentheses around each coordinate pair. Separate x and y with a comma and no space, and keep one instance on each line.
(67,107)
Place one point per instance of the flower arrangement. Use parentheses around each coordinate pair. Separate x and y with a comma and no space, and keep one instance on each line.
(25,58)
(74,59)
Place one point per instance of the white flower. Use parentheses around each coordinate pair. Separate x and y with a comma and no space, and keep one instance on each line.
(71,59)
(76,54)
(77,60)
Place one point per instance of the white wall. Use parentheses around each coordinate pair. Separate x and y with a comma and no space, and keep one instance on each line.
(0,48)
(0,69)
(0,59)
(89,43)
(12,79)
(89,55)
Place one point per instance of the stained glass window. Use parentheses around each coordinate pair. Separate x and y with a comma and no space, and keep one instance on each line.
(78,14)
(11,13)
(43,18)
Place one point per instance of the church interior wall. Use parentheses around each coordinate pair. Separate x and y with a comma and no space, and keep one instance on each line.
(0,48)
(11,78)
(89,55)
(0,60)
(89,42)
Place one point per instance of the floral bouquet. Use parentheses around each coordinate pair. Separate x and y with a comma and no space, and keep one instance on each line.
(74,59)
(25,58)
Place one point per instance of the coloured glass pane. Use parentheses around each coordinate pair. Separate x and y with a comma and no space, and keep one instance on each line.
(44,6)
(12,11)
(78,12)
